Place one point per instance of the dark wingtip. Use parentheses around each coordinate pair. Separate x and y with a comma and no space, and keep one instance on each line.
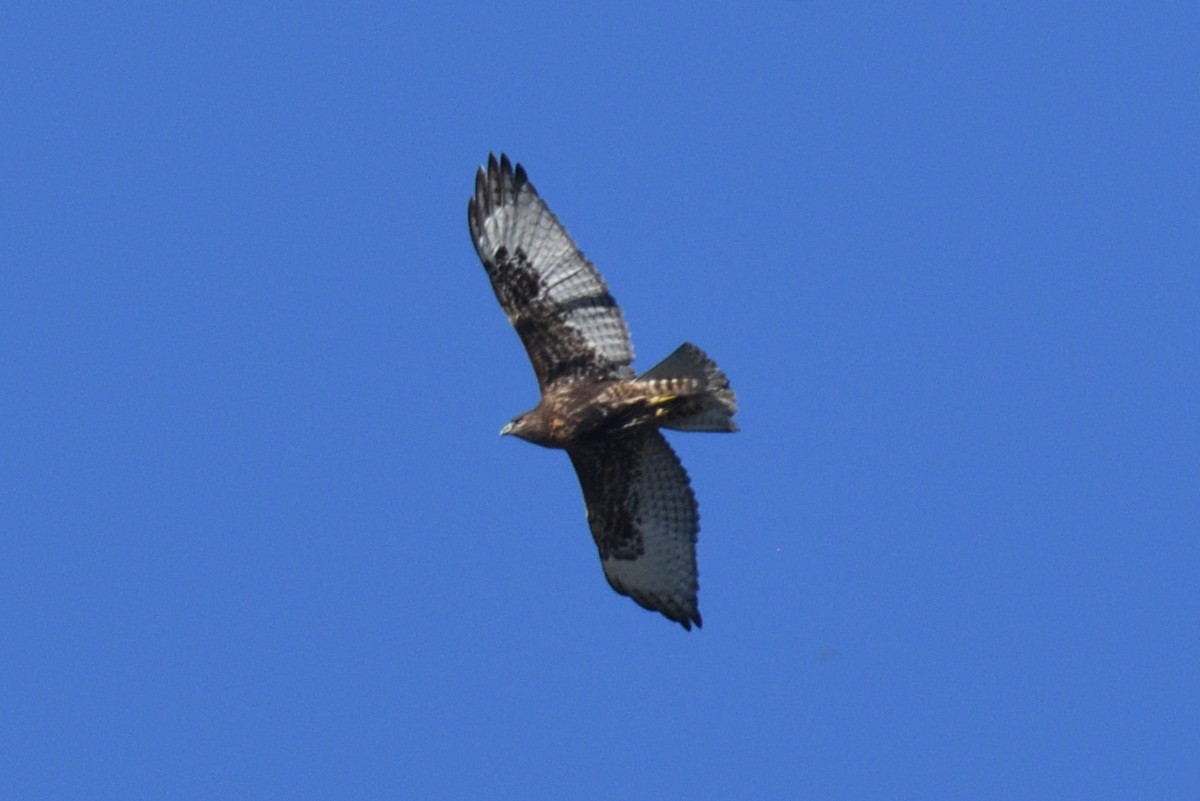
(477,205)
(494,186)
(502,177)
(684,617)
(505,172)
(674,612)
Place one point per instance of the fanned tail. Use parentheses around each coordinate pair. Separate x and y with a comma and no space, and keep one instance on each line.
(695,393)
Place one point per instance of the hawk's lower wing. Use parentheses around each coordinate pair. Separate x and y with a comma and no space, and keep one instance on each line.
(644,519)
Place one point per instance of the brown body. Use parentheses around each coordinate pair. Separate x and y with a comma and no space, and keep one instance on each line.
(582,411)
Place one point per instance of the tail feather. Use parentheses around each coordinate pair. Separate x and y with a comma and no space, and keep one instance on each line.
(708,407)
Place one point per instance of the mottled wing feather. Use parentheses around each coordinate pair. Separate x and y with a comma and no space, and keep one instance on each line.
(554,297)
(644,519)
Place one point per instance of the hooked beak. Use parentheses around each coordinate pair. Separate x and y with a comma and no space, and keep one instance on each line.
(508,429)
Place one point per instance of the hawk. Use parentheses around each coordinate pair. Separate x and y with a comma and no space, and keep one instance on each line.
(640,506)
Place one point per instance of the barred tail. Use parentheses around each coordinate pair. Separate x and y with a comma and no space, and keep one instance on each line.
(710,405)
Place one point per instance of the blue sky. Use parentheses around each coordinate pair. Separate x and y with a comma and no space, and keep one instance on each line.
(258,536)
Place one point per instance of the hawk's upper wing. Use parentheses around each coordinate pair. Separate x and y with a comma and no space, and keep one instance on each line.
(554,297)
(644,519)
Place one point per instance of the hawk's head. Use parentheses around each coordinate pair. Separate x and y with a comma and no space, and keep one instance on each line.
(531,427)
(514,426)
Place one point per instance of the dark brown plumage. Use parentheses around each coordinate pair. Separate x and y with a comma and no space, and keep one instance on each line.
(640,506)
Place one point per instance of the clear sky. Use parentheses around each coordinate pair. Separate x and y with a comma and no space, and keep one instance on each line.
(259,537)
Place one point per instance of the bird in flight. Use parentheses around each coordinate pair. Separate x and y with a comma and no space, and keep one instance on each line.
(640,506)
